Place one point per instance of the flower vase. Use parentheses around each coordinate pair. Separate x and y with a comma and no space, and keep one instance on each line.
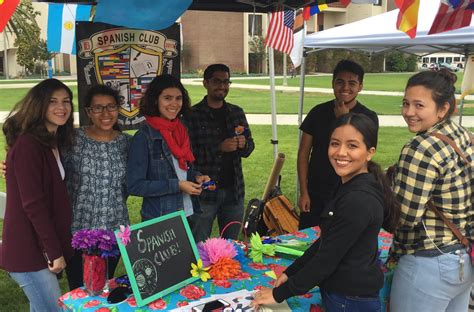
(94,274)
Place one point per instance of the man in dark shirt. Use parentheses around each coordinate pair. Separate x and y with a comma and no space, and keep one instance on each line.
(220,136)
(316,176)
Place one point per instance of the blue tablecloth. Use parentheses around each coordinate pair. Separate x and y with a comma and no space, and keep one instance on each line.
(252,278)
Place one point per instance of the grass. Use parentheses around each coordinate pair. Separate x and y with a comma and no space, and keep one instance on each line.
(372,81)
(256,170)
(254,101)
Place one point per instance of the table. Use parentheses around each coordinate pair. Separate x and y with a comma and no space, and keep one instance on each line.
(253,277)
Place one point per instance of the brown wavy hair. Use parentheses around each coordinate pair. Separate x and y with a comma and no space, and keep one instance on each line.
(28,116)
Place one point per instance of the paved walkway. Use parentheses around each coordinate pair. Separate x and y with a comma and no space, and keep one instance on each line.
(265,119)
(288,119)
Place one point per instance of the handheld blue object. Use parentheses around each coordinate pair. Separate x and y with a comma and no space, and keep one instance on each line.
(209,185)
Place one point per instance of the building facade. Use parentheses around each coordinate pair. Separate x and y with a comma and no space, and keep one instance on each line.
(235,39)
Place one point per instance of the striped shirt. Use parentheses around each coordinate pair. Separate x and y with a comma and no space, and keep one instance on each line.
(429,168)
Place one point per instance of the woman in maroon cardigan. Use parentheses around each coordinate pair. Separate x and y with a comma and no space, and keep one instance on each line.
(36,229)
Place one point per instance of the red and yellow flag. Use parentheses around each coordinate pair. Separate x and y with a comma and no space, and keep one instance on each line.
(408,16)
(7,7)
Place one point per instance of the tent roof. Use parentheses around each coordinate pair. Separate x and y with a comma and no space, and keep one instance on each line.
(379,33)
(261,6)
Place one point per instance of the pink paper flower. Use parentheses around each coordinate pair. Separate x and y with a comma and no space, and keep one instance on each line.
(124,234)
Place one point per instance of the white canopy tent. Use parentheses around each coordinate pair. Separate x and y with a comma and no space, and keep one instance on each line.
(379,33)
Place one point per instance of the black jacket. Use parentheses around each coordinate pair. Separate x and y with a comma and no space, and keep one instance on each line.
(343,259)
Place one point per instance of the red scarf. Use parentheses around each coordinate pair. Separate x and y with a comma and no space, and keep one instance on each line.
(176,137)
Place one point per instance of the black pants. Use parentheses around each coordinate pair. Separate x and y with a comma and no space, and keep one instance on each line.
(74,269)
(313,217)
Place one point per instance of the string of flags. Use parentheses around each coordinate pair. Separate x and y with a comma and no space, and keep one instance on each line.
(452,14)
(283,34)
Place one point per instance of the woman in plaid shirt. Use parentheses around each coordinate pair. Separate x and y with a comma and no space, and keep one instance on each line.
(434,271)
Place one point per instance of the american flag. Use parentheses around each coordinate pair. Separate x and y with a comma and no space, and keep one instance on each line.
(280,31)
(452,15)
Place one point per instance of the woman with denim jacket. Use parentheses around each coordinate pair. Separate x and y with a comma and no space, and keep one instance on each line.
(159,167)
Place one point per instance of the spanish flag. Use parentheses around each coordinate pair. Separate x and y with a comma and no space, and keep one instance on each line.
(408,16)
(7,7)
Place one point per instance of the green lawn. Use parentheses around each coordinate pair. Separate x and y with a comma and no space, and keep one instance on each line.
(372,81)
(256,170)
(253,101)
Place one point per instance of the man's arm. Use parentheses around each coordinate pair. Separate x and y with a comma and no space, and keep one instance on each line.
(302,166)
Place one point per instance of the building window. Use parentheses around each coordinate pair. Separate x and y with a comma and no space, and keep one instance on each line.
(255,21)
(378,2)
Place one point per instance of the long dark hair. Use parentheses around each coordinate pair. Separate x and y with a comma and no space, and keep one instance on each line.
(368,129)
(441,84)
(149,104)
(28,116)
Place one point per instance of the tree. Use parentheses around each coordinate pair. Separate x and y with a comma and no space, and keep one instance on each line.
(396,62)
(31,48)
(258,52)
(23,21)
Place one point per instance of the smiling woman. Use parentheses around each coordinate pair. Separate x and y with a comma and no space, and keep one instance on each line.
(38,213)
(160,167)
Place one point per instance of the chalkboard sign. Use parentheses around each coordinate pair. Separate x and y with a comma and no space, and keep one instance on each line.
(158,257)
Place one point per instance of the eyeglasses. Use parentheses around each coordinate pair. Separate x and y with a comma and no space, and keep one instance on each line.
(99,108)
(217,82)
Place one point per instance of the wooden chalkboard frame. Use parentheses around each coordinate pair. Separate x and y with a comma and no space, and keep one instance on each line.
(128,266)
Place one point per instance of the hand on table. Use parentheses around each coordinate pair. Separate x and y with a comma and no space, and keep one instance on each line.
(263,296)
(190,188)
(282,279)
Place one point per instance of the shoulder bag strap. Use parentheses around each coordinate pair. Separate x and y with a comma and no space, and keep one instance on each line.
(447,140)
(464,241)
(430,204)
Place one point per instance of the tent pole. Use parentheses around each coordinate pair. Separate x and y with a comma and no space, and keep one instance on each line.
(5,55)
(300,114)
(274,139)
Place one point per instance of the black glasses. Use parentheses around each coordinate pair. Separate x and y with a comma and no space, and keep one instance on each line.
(99,108)
(217,82)
(119,294)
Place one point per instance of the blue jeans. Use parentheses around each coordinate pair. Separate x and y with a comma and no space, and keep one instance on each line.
(334,302)
(41,288)
(227,210)
(431,284)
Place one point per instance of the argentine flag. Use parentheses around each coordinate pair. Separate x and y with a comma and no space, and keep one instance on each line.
(62,26)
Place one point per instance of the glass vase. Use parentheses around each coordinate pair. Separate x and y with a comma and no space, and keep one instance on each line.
(94,274)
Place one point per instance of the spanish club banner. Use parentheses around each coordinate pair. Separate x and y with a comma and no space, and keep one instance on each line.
(125,59)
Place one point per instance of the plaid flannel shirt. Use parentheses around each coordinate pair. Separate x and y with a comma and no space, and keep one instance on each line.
(429,168)
(205,140)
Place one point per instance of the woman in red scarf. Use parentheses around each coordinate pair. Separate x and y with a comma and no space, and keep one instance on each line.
(159,167)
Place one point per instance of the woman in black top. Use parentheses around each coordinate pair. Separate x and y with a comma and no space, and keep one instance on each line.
(343,262)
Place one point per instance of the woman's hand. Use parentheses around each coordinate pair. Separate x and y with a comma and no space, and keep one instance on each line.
(190,188)
(58,265)
(282,279)
(203,178)
(3,168)
(263,296)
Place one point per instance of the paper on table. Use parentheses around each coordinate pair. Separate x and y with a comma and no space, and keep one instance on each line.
(280,307)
